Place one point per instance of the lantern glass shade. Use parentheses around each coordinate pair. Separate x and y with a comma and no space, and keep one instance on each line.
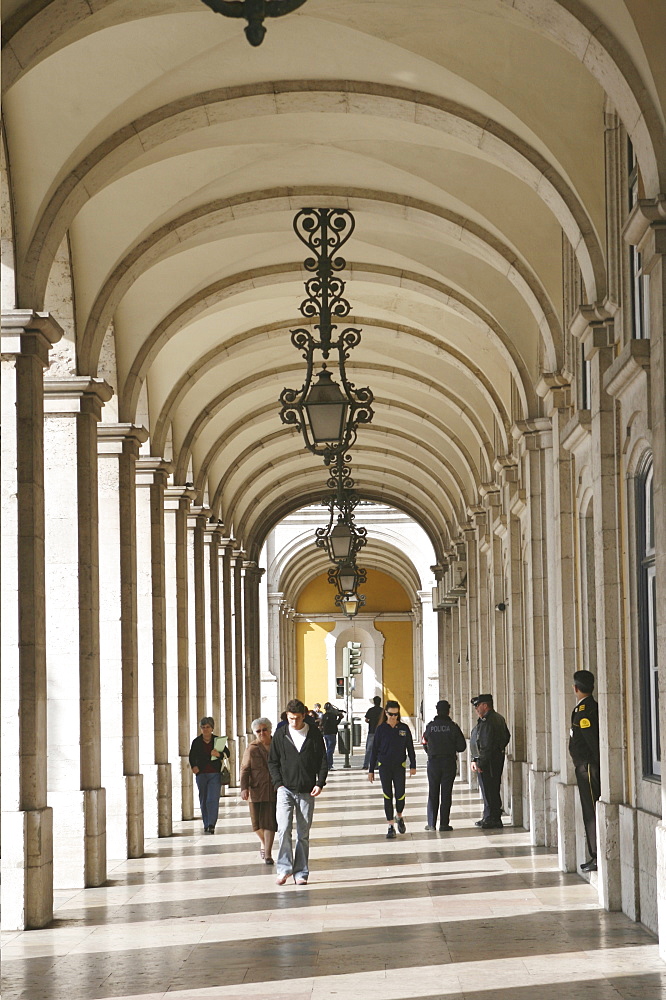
(350,604)
(326,407)
(347,578)
(341,541)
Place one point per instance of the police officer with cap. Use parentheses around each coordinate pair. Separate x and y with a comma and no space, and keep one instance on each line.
(442,740)
(584,752)
(487,743)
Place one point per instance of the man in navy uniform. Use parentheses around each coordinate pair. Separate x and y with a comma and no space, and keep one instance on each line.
(442,740)
(584,752)
(487,743)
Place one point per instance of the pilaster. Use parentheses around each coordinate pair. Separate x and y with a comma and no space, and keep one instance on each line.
(118,449)
(177,500)
(237,560)
(151,479)
(225,548)
(27,856)
(253,575)
(72,409)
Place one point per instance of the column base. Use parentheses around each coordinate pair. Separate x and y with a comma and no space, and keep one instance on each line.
(27,869)
(608,858)
(150,800)
(79,838)
(164,807)
(135,831)
(515,772)
(661,887)
(566,827)
(187,789)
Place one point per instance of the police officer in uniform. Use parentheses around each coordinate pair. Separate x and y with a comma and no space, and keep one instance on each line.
(487,743)
(584,752)
(442,740)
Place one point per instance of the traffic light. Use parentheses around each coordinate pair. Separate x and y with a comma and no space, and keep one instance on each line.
(339,687)
(355,657)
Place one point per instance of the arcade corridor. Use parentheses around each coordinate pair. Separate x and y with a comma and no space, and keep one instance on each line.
(466,915)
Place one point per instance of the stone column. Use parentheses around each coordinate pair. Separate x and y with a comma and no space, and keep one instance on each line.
(225,548)
(72,408)
(275,645)
(646,228)
(237,560)
(177,501)
(197,523)
(118,449)
(563,586)
(430,654)
(151,479)
(514,503)
(472,607)
(27,821)
(598,338)
(535,438)
(253,575)
(212,534)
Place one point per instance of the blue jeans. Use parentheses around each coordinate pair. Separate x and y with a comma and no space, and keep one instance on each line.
(290,862)
(209,786)
(329,740)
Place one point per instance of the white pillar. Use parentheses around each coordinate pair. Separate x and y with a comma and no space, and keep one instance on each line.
(27,859)
(118,450)
(72,408)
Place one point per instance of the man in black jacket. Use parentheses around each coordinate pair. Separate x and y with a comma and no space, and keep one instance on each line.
(584,752)
(298,769)
(487,743)
(442,740)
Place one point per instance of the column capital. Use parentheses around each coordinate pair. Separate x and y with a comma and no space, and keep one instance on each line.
(226,544)
(74,395)
(28,332)
(213,530)
(439,569)
(275,598)
(647,213)
(533,434)
(174,496)
(197,517)
(113,439)
(555,389)
(506,468)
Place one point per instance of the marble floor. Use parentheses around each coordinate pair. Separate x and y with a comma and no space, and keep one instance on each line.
(468,914)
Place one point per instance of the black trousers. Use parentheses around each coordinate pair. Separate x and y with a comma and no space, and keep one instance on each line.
(392,777)
(589,790)
(490,780)
(441,775)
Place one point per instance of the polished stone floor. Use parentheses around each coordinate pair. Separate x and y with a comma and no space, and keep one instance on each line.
(468,914)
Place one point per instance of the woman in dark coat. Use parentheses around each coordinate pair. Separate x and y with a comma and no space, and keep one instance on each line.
(257,788)
(206,764)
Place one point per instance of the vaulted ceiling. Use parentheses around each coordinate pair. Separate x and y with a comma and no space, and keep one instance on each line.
(156,162)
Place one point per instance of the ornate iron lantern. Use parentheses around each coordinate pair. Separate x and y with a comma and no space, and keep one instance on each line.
(254,12)
(347,577)
(341,538)
(351,604)
(326,412)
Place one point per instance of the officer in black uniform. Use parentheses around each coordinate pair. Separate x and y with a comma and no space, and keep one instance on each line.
(487,743)
(442,740)
(584,751)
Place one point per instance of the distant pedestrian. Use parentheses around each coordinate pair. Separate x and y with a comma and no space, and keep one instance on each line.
(487,744)
(584,752)
(442,741)
(206,764)
(392,744)
(329,723)
(297,765)
(372,717)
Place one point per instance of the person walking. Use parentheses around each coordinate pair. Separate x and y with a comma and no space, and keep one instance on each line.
(297,766)
(372,717)
(392,744)
(584,752)
(206,764)
(442,740)
(329,726)
(487,743)
(257,788)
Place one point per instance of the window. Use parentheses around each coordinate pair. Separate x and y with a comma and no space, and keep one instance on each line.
(585,381)
(640,299)
(647,606)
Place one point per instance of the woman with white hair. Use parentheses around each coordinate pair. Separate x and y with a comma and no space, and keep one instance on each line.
(257,788)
